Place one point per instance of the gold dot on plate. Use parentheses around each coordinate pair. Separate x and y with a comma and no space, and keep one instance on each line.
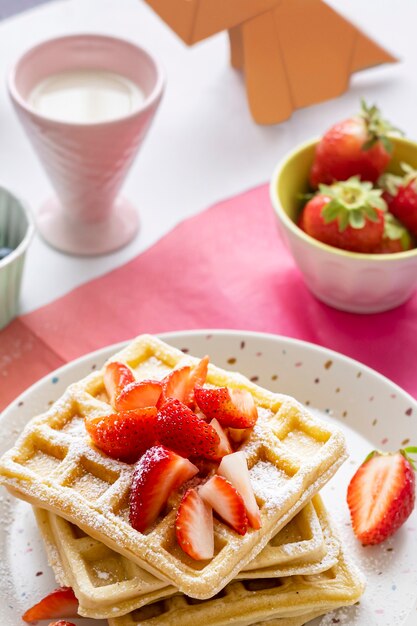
(359,374)
(274,377)
(254,379)
(328,364)
(232,360)
(374,422)
(337,389)
(344,414)
(404,442)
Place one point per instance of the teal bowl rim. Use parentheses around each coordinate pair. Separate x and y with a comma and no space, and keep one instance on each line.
(23,245)
(292,226)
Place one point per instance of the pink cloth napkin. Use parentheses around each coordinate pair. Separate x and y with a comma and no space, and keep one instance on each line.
(225,268)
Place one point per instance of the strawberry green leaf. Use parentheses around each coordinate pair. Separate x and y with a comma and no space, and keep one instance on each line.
(331,211)
(356,219)
(393,229)
(371,456)
(343,221)
(406,454)
(377,127)
(377,201)
(352,203)
(370,213)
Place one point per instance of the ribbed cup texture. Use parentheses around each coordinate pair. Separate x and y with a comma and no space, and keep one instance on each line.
(87,165)
(14,225)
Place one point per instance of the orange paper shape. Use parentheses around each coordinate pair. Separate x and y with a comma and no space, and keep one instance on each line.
(293,52)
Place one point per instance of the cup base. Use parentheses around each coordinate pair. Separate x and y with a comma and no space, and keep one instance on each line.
(87,239)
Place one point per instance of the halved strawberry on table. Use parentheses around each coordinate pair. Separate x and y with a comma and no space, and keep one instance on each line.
(381,495)
(400,193)
(194,526)
(233,408)
(116,376)
(347,215)
(59,603)
(358,146)
(220,494)
(181,430)
(158,472)
(124,436)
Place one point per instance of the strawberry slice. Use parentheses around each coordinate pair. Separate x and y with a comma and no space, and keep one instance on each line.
(138,395)
(59,603)
(156,475)
(231,407)
(124,436)
(181,430)
(224,446)
(61,622)
(194,526)
(176,384)
(381,495)
(238,435)
(180,383)
(116,377)
(220,494)
(235,468)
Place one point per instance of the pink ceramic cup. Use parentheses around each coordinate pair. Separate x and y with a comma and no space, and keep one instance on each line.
(86,163)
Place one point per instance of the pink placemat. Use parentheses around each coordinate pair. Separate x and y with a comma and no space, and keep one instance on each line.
(225,268)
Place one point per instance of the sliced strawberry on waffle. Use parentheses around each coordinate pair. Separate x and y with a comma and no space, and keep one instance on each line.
(180,383)
(116,377)
(194,526)
(138,395)
(234,467)
(124,436)
(231,407)
(220,494)
(181,430)
(157,474)
(224,446)
(59,603)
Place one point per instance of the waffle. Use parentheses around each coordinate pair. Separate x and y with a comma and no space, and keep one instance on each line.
(257,601)
(54,465)
(107,584)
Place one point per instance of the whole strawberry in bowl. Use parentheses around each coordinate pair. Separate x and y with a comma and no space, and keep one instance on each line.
(347,215)
(357,146)
(355,252)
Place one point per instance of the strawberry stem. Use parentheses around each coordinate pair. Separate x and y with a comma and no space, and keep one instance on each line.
(377,127)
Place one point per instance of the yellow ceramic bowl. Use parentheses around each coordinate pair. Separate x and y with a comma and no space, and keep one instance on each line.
(350,281)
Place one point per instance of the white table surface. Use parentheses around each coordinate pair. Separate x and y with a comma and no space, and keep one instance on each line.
(203,145)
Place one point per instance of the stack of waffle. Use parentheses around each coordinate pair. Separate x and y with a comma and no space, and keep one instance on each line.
(288,572)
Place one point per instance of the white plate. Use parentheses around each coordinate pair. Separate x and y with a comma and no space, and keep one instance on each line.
(372,411)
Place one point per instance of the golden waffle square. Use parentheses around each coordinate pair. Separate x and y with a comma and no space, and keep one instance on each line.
(257,601)
(54,465)
(107,584)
